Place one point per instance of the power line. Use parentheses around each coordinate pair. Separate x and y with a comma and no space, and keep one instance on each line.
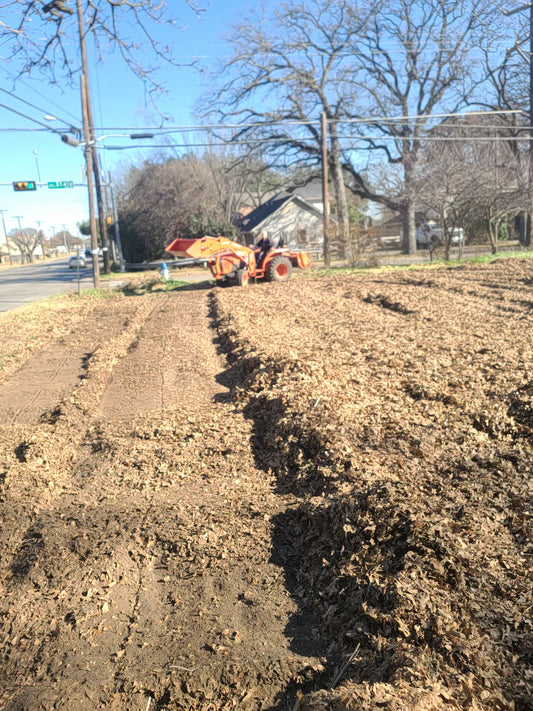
(28,103)
(306,122)
(398,120)
(42,96)
(377,139)
(16,129)
(30,118)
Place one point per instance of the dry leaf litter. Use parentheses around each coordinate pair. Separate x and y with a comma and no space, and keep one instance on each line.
(313,495)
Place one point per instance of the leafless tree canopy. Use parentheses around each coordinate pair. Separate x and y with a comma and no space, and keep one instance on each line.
(26,241)
(371,67)
(289,66)
(42,34)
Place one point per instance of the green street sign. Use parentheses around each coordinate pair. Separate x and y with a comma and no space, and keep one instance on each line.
(61,184)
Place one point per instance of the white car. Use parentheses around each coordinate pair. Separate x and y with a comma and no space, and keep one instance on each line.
(430,235)
(77,262)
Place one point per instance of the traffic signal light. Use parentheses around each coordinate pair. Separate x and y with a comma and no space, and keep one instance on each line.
(25,185)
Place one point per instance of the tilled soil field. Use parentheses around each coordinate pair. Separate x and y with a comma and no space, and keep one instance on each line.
(313,495)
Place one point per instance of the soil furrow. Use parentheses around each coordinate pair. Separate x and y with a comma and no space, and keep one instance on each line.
(338,516)
(148,572)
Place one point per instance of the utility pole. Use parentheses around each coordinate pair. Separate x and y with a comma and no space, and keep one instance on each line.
(90,186)
(88,151)
(325,190)
(98,187)
(94,150)
(7,239)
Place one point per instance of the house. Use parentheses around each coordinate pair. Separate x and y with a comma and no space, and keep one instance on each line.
(389,232)
(290,219)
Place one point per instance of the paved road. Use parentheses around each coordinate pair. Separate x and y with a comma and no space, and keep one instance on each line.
(22,285)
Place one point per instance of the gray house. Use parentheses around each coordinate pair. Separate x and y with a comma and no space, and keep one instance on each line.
(289,219)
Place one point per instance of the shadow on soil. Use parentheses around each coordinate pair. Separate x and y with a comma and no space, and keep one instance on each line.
(289,546)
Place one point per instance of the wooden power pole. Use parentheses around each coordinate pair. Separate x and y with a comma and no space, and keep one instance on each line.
(90,183)
(87,137)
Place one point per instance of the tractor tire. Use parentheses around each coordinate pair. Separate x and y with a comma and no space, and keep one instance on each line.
(242,277)
(279,269)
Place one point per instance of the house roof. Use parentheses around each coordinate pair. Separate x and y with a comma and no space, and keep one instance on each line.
(266,209)
(312,191)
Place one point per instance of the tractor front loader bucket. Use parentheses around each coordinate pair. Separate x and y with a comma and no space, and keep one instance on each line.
(200,248)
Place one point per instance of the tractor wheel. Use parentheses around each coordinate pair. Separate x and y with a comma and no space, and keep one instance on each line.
(279,269)
(242,277)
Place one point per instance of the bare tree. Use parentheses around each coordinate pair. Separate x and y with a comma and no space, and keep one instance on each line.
(507,73)
(26,240)
(287,67)
(64,238)
(239,181)
(39,33)
(380,72)
(463,177)
(38,36)
(412,61)
(185,197)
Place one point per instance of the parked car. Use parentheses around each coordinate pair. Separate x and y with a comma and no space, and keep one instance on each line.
(77,262)
(430,234)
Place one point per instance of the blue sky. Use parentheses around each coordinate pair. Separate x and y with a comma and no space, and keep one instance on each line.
(118,101)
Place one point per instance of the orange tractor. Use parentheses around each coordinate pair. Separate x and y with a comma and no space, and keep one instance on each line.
(234,263)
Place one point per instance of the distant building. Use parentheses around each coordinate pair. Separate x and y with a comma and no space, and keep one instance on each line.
(289,219)
(4,254)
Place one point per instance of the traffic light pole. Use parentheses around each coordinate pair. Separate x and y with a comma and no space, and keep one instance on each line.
(117,225)
(98,185)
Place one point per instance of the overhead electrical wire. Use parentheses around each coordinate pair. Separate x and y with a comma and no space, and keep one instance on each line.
(30,118)
(399,120)
(15,129)
(42,96)
(262,124)
(377,139)
(33,106)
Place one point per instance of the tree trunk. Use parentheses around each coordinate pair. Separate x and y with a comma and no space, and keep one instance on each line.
(494,228)
(409,228)
(340,193)
(445,235)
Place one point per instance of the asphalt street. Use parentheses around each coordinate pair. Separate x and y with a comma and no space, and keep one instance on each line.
(22,285)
